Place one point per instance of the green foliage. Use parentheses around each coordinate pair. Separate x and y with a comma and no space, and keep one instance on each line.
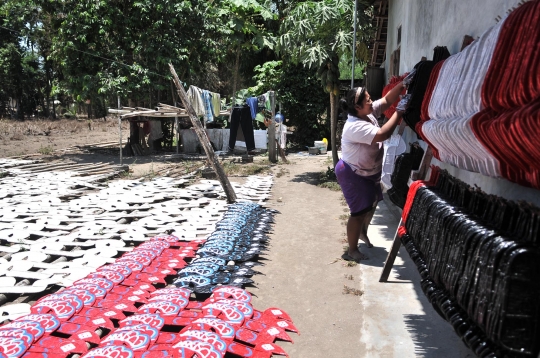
(304,104)
(328,180)
(345,68)
(140,36)
(316,31)
(46,150)
(267,77)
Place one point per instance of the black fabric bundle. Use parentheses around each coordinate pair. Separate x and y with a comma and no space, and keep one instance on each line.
(479,259)
(417,90)
(440,53)
(405,163)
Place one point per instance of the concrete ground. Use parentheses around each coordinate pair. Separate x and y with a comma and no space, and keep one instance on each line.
(305,277)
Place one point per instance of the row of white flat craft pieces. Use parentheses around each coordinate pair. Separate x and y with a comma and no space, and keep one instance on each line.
(86,232)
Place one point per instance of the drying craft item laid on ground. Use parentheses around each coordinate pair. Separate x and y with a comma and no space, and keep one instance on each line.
(114,298)
(479,259)
(228,255)
(124,309)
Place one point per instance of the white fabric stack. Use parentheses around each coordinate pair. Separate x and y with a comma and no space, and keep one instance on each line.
(455,100)
(393,146)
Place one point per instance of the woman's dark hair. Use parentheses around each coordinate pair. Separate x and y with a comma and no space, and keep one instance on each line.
(347,105)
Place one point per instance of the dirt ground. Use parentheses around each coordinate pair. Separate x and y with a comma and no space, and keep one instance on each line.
(340,309)
(46,136)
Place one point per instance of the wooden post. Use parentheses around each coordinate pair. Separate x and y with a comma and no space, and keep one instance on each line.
(177,134)
(177,130)
(396,244)
(203,138)
(272,157)
(120,131)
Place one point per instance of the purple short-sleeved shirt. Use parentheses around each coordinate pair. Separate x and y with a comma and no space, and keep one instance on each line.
(357,149)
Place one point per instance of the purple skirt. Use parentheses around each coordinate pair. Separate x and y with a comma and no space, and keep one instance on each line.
(360,192)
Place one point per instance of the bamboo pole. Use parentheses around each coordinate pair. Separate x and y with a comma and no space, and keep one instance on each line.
(203,138)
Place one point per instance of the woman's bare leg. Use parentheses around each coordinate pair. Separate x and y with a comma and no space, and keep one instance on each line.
(365,225)
(354,230)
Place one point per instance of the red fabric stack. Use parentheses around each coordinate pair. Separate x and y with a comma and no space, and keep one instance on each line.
(393,82)
(509,126)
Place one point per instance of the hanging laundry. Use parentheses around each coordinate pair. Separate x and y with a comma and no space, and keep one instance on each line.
(262,100)
(194,95)
(281,135)
(216,103)
(208,110)
(252,102)
(417,90)
(241,117)
(267,103)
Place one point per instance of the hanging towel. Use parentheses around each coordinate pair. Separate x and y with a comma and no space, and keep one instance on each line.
(194,95)
(267,103)
(216,103)
(208,110)
(252,102)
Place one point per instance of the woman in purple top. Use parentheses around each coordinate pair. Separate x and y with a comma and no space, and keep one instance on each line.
(359,170)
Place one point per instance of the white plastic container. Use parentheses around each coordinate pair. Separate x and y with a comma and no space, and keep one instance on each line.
(260,138)
(321,145)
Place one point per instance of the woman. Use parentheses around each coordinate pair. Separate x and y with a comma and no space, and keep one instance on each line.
(359,170)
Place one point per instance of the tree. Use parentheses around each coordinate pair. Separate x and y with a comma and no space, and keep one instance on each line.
(22,77)
(303,101)
(244,29)
(106,47)
(317,34)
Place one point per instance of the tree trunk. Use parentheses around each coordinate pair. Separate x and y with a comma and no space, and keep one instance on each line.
(203,138)
(235,74)
(333,129)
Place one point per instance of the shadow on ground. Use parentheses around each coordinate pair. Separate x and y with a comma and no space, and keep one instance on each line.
(84,158)
(307,177)
(425,330)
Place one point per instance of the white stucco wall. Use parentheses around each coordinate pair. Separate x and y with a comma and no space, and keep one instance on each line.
(429,23)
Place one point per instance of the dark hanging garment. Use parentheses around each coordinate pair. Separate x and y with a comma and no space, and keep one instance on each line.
(241,117)
(417,90)
(440,53)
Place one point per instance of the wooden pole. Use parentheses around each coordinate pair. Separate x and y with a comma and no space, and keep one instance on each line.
(272,157)
(396,244)
(120,131)
(391,257)
(177,134)
(203,138)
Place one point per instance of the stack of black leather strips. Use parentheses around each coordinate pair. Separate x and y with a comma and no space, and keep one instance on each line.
(479,259)
(405,164)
